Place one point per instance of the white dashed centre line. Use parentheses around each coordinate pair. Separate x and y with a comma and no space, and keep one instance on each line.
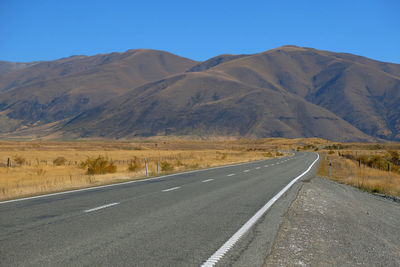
(266,166)
(232,174)
(208,180)
(246,170)
(171,189)
(258,168)
(102,207)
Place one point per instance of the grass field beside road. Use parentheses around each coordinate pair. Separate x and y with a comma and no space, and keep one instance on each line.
(35,170)
(350,172)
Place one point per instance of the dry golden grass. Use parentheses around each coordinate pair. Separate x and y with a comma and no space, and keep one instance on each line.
(38,174)
(348,172)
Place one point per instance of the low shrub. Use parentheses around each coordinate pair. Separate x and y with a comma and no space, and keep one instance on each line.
(99,165)
(179,163)
(19,160)
(166,166)
(40,171)
(59,161)
(267,155)
(394,157)
(134,165)
(221,156)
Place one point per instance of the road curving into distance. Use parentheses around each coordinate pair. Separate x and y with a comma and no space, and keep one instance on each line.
(188,219)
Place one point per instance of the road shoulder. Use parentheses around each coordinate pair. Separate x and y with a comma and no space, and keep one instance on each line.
(334,224)
(251,249)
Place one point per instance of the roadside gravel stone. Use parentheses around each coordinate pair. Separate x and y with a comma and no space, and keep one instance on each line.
(330,224)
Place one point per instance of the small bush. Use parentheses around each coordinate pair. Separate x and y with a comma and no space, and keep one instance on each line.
(278,154)
(267,155)
(166,166)
(19,160)
(59,161)
(394,157)
(331,152)
(99,165)
(221,156)
(134,165)
(179,163)
(194,166)
(40,171)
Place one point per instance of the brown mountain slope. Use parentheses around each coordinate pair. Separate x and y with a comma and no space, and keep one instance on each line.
(363,92)
(8,67)
(50,91)
(141,65)
(205,104)
(288,91)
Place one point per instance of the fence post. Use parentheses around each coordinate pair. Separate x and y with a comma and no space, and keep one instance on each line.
(330,167)
(8,162)
(145,164)
(359,163)
(158,163)
(388,167)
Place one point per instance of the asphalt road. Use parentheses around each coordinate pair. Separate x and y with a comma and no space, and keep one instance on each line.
(179,220)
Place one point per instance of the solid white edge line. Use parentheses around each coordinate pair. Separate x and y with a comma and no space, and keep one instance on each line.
(208,180)
(170,189)
(232,241)
(102,207)
(124,183)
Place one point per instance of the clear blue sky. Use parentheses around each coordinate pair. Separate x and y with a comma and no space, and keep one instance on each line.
(45,30)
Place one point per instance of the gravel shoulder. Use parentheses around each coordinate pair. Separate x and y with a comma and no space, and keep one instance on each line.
(331,224)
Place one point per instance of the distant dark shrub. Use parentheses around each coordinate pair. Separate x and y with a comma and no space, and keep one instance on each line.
(331,152)
(59,161)
(19,160)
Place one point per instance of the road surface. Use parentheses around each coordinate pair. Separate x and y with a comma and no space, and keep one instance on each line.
(180,220)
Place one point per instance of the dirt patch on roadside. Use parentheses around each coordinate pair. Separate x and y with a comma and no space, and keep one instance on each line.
(331,224)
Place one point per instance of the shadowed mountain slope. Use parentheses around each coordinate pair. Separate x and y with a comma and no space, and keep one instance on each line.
(206,104)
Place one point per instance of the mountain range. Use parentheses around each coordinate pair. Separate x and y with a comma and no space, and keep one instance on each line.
(287,92)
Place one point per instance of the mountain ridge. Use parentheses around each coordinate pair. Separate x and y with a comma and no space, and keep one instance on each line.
(288,91)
